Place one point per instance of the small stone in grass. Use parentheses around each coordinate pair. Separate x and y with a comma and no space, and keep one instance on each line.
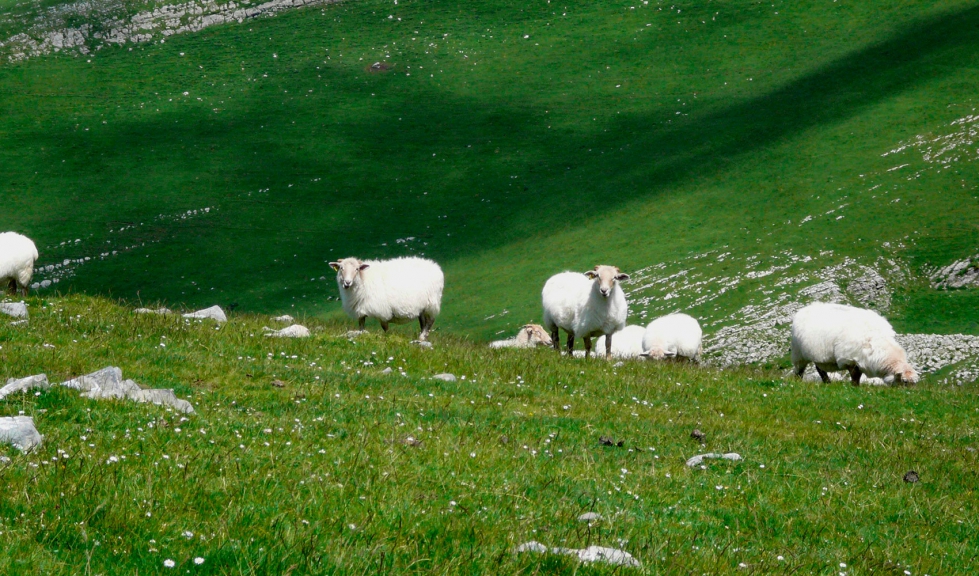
(445,377)
(387,370)
(911,477)
(278,384)
(606,441)
(589,517)
(698,435)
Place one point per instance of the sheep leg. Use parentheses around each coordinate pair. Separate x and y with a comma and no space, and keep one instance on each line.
(823,375)
(12,287)
(800,369)
(426,322)
(361,322)
(570,344)
(608,346)
(587,346)
(855,375)
(384,325)
(556,340)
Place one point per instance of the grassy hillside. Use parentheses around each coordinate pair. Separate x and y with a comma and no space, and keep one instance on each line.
(508,141)
(349,470)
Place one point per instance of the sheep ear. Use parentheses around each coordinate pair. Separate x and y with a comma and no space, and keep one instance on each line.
(591,274)
(364,267)
(622,277)
(671,351)
(335,265)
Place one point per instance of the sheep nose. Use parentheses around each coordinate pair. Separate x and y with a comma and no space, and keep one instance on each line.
(347,284)
(604,291)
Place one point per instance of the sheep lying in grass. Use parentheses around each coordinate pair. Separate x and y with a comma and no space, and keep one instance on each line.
(626,344)
(838,337)
(395,290)
(530,335)
(674,336)
(585,305)
(17,257)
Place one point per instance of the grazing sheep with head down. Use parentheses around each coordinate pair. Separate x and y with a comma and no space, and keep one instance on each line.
(17,257)
(674,336)
(838,337)
(530,335)
(585,305)
(397,290)
(626,344)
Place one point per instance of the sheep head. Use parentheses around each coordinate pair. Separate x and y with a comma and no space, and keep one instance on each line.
(347,270)
(607,276)
(534,334)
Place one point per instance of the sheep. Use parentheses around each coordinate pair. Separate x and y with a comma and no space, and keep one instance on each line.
(674,336)
(838,337)
(17,257)
(628,342)
(585,305)
(530,335)
(395,290)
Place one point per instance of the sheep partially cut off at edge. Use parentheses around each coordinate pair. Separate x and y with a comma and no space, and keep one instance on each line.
(585,305)
(838,337)
(674,336)
(627,342)
(393,291)
(17,257)
(530,335)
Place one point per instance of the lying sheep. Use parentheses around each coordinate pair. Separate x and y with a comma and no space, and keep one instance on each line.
(395,290)
(838,337)
(627,342)
(17,257)
(530,335)
(674,336)
(585,305)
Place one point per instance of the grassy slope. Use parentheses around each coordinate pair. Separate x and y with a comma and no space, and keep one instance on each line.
(611,134)
(315,477)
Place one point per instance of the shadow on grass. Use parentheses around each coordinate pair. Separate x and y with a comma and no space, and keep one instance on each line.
(462,174)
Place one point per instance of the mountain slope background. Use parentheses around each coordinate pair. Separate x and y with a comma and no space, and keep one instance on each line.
(734,157)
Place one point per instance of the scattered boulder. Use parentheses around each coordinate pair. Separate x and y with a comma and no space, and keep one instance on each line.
(20,432)
(283,318)
(157,311)
(387,370)
(24,384)
(214,313)
(590,517)
(294,331)
(15,309)
(108,383)
(591,554)
(445,377)
(699,459)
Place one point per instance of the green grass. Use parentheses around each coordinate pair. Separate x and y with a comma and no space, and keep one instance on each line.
(609,135)
(316,477)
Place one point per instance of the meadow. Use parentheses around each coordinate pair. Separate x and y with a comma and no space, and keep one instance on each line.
(347,469)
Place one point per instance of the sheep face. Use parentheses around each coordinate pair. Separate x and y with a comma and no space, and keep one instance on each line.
(535,334)
(347,271)
(904,375)
(606,277)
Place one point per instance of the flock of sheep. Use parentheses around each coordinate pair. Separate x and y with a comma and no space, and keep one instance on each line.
(834,337)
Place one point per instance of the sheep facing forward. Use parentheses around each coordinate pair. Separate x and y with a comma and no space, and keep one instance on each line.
(530,335)
(585,305)
(17,257)
(838,337)
(393,291)
(674,336)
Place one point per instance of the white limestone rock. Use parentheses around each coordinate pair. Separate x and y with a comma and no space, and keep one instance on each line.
(15,309)
(213,313)
(24,384)
(699,459)
(20,432)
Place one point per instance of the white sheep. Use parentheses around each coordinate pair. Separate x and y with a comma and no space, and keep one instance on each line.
(530,335)
(674,336)
(17,257)
(585,305)
(397,290)
(626,344)
(838,337)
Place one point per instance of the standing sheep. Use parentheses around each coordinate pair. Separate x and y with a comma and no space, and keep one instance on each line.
(17,257)
(530,335)
(395,290)
(628,342)
(585,305)
(674,336)
(838,337)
